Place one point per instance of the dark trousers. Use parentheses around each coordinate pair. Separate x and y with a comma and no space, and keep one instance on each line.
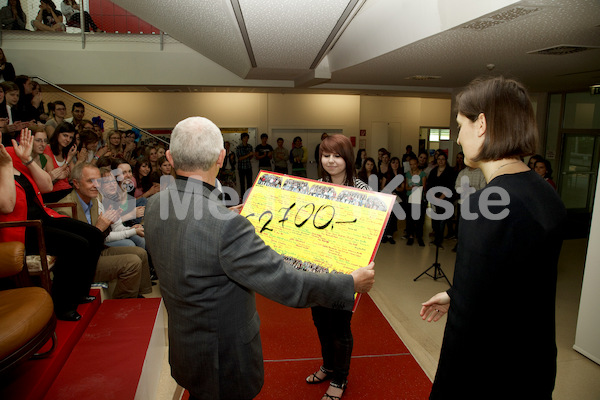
(335,335)
(89,22)
(414,225)
(77,247)
(245,180)
(282,170)
(438,226)
(392,225)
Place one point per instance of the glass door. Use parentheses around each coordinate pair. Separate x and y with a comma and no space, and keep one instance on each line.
(579,171)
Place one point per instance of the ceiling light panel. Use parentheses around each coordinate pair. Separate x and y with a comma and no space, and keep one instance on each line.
(289,33)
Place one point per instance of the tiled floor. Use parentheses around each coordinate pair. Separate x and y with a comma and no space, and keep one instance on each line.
(400,298)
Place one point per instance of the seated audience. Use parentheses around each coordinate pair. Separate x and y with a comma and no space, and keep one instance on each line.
(60,151)
(10,110)
(49,19)
(152,156)
(37,103)
(60,111)
(28,111)
(72,12)
(122,170)
(129,145)
(143,181)
(7,71)
(76,245)
(88,147)
(77,112)
(13,18)
(128,265)
(113,144)
(40,142)
(164,169)
(114,198)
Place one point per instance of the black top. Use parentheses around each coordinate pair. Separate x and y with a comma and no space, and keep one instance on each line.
(446,179)
(499,341)
(8,73)
(34,210)
(264,150)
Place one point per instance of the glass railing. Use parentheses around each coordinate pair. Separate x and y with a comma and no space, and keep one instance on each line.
(96,114)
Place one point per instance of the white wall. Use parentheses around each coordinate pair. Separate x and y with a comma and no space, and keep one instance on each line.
(404,116)
(587,340)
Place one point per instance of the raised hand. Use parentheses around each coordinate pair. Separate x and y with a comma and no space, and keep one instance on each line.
(23,148)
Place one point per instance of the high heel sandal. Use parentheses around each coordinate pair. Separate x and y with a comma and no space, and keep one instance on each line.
(314,379)
(342,386)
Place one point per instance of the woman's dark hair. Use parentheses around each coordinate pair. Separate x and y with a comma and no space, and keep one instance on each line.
(547,165)
(9,86)
(338,144)
(511,129)
(20,12)
(136,170)
(118,161)
(161,161)
(535,157)
(104,162)
(358,163)
(50,3)
(362,174)
(390,173)
(86,137)
(53,142)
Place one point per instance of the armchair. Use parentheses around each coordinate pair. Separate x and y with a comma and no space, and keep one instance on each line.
(27,319)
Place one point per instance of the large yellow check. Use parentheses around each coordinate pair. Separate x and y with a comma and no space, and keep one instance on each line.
(317,226)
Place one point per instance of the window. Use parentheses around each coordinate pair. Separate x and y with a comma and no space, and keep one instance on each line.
(438,134)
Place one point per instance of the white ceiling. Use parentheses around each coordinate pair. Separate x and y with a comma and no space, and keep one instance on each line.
(377,45)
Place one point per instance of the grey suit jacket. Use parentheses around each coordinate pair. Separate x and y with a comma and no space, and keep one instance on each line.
(210,262)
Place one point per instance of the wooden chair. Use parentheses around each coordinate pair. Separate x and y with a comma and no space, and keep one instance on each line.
(39,265)
(27,319)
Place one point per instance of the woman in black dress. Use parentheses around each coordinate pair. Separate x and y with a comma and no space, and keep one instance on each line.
(499,341)
(441,176)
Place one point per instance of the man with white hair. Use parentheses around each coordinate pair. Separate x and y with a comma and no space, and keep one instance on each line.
(210,262)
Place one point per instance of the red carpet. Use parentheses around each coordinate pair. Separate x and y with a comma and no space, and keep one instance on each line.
(31,379)
(107,362)
(382,367)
